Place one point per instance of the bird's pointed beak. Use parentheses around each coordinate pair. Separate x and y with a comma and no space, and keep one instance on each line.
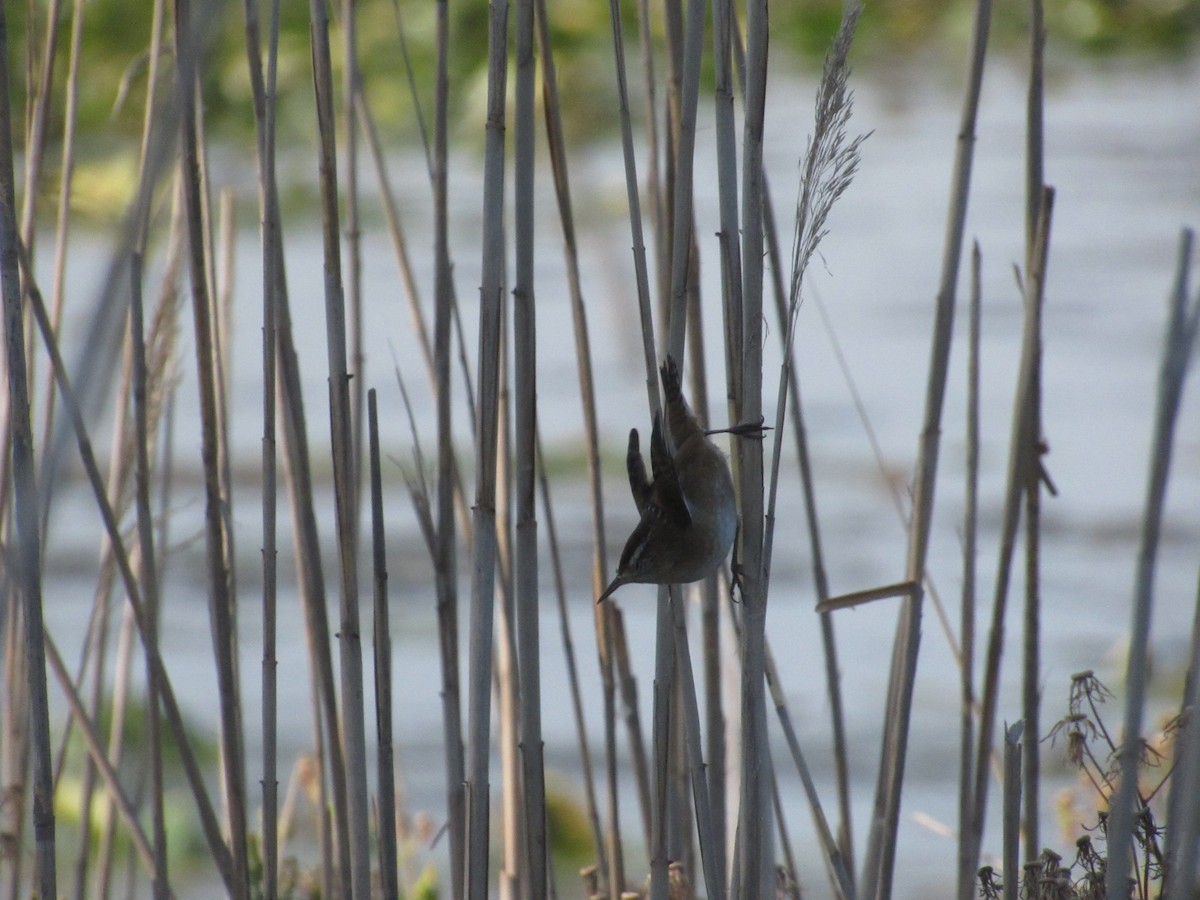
(612,586)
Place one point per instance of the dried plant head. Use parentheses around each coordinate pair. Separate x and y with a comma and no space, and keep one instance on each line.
(1078,730)
(1085,686)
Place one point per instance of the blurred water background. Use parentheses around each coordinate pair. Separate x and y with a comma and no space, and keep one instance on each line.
(1122,151)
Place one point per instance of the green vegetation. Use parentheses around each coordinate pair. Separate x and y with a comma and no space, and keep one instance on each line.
(110,102)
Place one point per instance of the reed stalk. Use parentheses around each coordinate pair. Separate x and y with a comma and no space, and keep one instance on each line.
(221,594)
(1183,814)
(754,872)
(389,870)
(28,557)
(880,859)
(351,90)
(342,445)
(334,821)
(66,179)
(1012,810)
(482,617)
(525,582)
(38,119)
(149,573)
(556,144)
(1183,324)
(1021,460)
(609,632)
(1031,700)
(965,859)
(445,567)
(263,98)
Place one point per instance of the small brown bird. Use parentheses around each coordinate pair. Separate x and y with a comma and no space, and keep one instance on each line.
(688,514)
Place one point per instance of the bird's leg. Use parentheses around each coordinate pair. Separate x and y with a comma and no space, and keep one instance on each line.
(735,567)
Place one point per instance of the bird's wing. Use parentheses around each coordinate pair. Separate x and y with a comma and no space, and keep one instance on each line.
(639,484)
(666,494)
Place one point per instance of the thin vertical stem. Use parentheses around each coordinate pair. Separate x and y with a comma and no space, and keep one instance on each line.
(755,835)
(880,861)
(445,564)
(1012,810)
(145,526)
(1031,698)
(1180,338)
(525,445)
(341,425)
(484,530)
(219,577)
(1018,472)
(966,861)
(388,865)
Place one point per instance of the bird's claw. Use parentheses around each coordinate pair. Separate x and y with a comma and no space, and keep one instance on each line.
(753,430)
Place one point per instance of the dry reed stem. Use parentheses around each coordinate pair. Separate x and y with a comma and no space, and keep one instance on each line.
(263,98)
(558,163)
(343,447)
(1023,438)
(66,180)
(1012,808)
(525,582)
(880,859)
(220,586)
(311,579)
(149,574)
(382,642)
(755,866)
(965,860)
(1179,341)
(1034,168)
(482,614)
(445,567)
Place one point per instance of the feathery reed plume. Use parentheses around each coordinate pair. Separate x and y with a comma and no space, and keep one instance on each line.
(831,158)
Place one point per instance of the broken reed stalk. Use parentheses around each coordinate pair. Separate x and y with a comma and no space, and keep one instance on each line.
(1179,341)
(342,445)
(880,859)
(1022,442)
(965,861)
(482,614)
(1012,809)
(28,557)
(220,586)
